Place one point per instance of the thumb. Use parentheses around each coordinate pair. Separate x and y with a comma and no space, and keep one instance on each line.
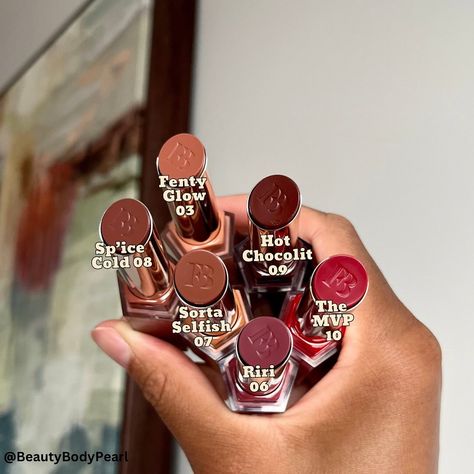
(175,386)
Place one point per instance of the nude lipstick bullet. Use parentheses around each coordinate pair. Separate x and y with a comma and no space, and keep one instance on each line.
(149,301)
(210,314)
(260,374)
(196,223)
(273,258)
(318,317)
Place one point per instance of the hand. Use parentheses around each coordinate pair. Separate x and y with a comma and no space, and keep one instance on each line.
(376,411)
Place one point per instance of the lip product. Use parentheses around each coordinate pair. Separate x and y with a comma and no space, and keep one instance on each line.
(196,223)
(211,314)
(318,317)
(149,302)
(273,257)
(254,308)
(260,374)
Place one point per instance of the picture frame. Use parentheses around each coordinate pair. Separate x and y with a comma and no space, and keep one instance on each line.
(85,117)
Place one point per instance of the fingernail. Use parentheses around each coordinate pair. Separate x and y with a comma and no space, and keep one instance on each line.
(110,341)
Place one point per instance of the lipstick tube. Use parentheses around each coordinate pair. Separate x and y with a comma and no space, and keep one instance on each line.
(314,318)
(273,257)
(148,299)
(196,222)
(260,374)
(211,314)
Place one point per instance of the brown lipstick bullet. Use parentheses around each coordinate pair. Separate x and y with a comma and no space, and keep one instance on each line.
(273,258)
(211,314)
(147,294)
(196,223)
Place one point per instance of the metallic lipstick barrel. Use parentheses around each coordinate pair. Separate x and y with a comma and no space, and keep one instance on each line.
(196,220)
(184,156)
(201,282)
(147,294)
(339,279)
(264,342)
(273,258)
(129,221)
(273,209)
(260,373)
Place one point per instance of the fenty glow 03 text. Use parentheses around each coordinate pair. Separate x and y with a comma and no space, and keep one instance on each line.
(262,312)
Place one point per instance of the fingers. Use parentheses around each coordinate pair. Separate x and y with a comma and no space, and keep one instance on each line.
(215,378)
(329,234)
(379,319)
(179,391)
(237,205)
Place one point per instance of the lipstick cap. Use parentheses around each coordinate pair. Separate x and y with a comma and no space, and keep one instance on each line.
(129,221)
(341,279)
(183,156)
(201,279)
(273,208)
(264,341)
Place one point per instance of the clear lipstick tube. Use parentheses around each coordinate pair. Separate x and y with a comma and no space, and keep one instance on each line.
(273,257)
(149,302)
(340,279)
(260,373)
(196,222)
(211,313)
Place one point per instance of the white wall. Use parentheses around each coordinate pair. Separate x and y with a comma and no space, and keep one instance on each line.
(369,106)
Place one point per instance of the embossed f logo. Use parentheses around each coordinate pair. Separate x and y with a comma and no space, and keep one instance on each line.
(201,276)
(273,199)
(181,154)
(124,222)
(264,342)
(343,281)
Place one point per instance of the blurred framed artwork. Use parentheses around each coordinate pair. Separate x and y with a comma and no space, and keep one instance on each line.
(79,128)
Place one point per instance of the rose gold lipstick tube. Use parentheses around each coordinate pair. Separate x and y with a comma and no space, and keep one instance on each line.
(196,220)
(202,284)
(147,294)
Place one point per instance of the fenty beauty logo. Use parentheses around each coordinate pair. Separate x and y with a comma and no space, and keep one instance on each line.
(201,276)
(123,223)
(264,341)
(182,155)
(342,281)
(273,199)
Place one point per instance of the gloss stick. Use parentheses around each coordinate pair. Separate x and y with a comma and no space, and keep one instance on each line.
(211,313)
(147,294)
(196,223)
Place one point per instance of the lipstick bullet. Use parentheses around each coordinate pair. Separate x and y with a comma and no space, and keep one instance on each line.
(260,374)
(149,302)
(273,257)
(196,222)
(318,317)
(211,314)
